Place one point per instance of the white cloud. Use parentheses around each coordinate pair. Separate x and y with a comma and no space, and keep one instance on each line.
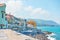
(29,8)
(17,6)
(38,10)
(37,13)
(13,6)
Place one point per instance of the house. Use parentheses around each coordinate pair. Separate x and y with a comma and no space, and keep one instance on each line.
(2,16)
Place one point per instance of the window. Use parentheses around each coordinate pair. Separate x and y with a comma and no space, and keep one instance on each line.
(2,13)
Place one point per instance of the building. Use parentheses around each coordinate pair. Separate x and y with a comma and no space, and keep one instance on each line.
(2,16)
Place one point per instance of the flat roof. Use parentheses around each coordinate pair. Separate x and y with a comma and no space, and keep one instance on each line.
(2,4)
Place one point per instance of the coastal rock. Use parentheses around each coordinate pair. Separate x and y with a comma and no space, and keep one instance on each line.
(41,37)
(46,32)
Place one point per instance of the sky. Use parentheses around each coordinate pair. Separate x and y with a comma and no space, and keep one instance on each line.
(35,9)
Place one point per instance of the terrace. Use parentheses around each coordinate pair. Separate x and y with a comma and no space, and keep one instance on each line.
(7,34)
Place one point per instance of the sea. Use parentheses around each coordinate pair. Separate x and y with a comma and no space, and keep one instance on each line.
(53,29)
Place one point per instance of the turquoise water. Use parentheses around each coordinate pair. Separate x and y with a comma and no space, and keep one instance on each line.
(55,30)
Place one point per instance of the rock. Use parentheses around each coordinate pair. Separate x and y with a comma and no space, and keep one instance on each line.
(46,32)
(41,37)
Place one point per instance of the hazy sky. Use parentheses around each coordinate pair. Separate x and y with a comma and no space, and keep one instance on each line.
(36,9)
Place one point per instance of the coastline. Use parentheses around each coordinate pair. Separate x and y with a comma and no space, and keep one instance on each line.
(46,35)
(55,30)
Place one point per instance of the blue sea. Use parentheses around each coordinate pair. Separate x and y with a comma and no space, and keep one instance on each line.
(55,30)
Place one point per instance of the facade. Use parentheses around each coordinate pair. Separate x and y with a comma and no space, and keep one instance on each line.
(2,16)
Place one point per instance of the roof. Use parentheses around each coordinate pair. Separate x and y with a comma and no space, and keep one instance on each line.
(2,4)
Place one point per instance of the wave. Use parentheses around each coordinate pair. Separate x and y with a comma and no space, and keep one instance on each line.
(50,36)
